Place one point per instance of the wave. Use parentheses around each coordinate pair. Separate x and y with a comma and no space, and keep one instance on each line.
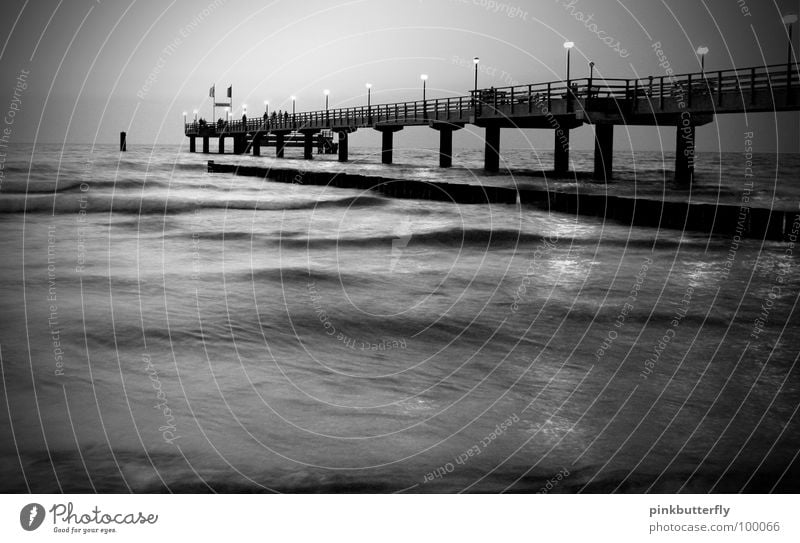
(61,186)
(448,238)
(159,206)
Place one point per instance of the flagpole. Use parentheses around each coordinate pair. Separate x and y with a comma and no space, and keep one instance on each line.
(214,104)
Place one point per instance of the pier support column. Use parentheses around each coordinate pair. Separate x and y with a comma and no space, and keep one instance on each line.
(445,147)
(279,141)
(221,145)
(205,144)
(239,144)
(446,142)
(308,145)
(561,151)
(491,157)
(684,154)
(256,145)
(343,139)
(603,151)
(387,141)
(192,145)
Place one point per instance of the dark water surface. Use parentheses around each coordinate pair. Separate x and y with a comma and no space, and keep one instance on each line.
(165,329)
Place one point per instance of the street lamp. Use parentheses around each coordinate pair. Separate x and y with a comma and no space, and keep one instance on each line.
(326,92)
(266,107)
(293,100)
(424,78)
(702,51)
(476,60)
(789,19)
(369,94)
(568,45)
(244,110)
(591,70)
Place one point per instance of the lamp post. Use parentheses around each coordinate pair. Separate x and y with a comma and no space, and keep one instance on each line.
(591,78)
(702,51)
(475,61)
(266,108)
(369,101)
(568,45)
(424,78)
(293,101)
(789,19)
(326,92)
(244,110)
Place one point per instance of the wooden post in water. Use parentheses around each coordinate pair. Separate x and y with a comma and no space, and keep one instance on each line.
(123,143)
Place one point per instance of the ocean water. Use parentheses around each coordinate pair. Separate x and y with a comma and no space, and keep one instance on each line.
(169,330)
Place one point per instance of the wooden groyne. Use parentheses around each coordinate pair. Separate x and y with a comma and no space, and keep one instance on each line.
(719,219)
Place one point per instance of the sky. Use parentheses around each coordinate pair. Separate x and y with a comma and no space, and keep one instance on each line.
(93,68)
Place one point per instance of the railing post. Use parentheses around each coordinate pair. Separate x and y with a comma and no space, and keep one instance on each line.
(530,98)
(627,94)
(549,97)
(636,95)
(689,91)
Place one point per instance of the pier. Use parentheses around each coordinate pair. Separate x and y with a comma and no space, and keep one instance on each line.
(682,101)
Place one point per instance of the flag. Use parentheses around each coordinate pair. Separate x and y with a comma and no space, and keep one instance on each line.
(230,91)
(211,92)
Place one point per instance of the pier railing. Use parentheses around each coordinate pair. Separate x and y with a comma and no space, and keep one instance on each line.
(664,93)
(699,91)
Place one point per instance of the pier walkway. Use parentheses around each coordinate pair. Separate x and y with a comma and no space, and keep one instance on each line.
(683,101)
